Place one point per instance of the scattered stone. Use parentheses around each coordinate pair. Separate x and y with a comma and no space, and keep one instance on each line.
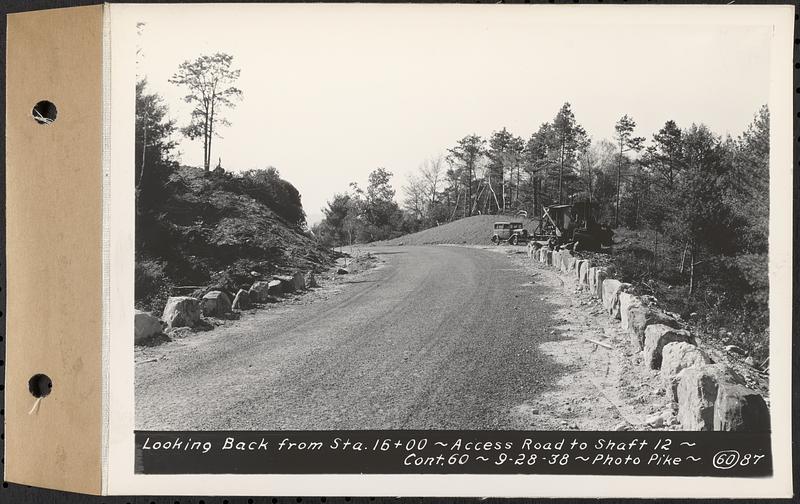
(287,283)
(241,301)
(657,336)
(181,311)
(622,427)
(145,326)
(254,274)
(274,288)
(259,291)
(342,271)
(215,304)
(750,361)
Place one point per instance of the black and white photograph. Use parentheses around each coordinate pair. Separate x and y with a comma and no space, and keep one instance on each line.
(397,221)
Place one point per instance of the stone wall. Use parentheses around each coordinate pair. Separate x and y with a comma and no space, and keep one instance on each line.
(706,395)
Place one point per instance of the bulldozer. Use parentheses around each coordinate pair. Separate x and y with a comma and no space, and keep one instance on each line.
(573,226)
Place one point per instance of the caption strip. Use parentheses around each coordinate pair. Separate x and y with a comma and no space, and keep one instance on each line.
(455,452)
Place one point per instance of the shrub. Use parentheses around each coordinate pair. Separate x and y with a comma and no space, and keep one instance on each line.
(152,286)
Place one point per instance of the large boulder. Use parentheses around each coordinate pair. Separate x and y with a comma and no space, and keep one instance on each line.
(611,291)
(145,326)
(181,311)
(299,281)
(677,356)
(600,276)
(570,263)
(626,302)
(567,261)
(215,304)
(274,288)
(287,283)
(695,391)
(583,273)
(241,301)
(593,280)
(639,317)
(259,291)
(656,337)
(739,409)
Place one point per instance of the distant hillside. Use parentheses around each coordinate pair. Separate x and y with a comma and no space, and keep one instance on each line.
(475,230)
(218,228)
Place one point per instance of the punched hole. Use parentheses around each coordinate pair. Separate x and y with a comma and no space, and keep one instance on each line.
(40,385)
(44,112)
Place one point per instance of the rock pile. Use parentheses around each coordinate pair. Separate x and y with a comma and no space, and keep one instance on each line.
(189,311)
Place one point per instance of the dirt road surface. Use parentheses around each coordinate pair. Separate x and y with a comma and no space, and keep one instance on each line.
(436,337)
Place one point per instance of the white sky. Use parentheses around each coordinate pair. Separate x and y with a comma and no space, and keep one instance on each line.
(333,92)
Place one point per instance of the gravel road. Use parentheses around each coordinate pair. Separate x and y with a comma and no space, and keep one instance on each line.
(435,338)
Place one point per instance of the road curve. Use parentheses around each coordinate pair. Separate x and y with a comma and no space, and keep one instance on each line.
(437,338)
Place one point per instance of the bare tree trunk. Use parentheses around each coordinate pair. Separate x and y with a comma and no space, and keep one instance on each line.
(655,253)
(683,256)
(205,144)
(210,132)
(455,207)
(619,178)
(691,272)
(493,193)
(560,174)
(144,150)
(502,187)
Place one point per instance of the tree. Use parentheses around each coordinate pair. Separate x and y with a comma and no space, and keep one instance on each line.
(567,137)
(210,84)
(416,197)
(664,156)
(431,172)
(267,187)
(153,142)
(498,154)
(750,182)
(626,143)
(465,156)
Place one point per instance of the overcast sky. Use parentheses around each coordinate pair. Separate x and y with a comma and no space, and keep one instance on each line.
(331,93)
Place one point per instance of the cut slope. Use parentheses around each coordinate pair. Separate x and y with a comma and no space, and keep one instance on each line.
(210,232)
(475,230)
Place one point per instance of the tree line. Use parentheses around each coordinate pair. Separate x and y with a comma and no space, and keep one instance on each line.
(702,198)
(633,182)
